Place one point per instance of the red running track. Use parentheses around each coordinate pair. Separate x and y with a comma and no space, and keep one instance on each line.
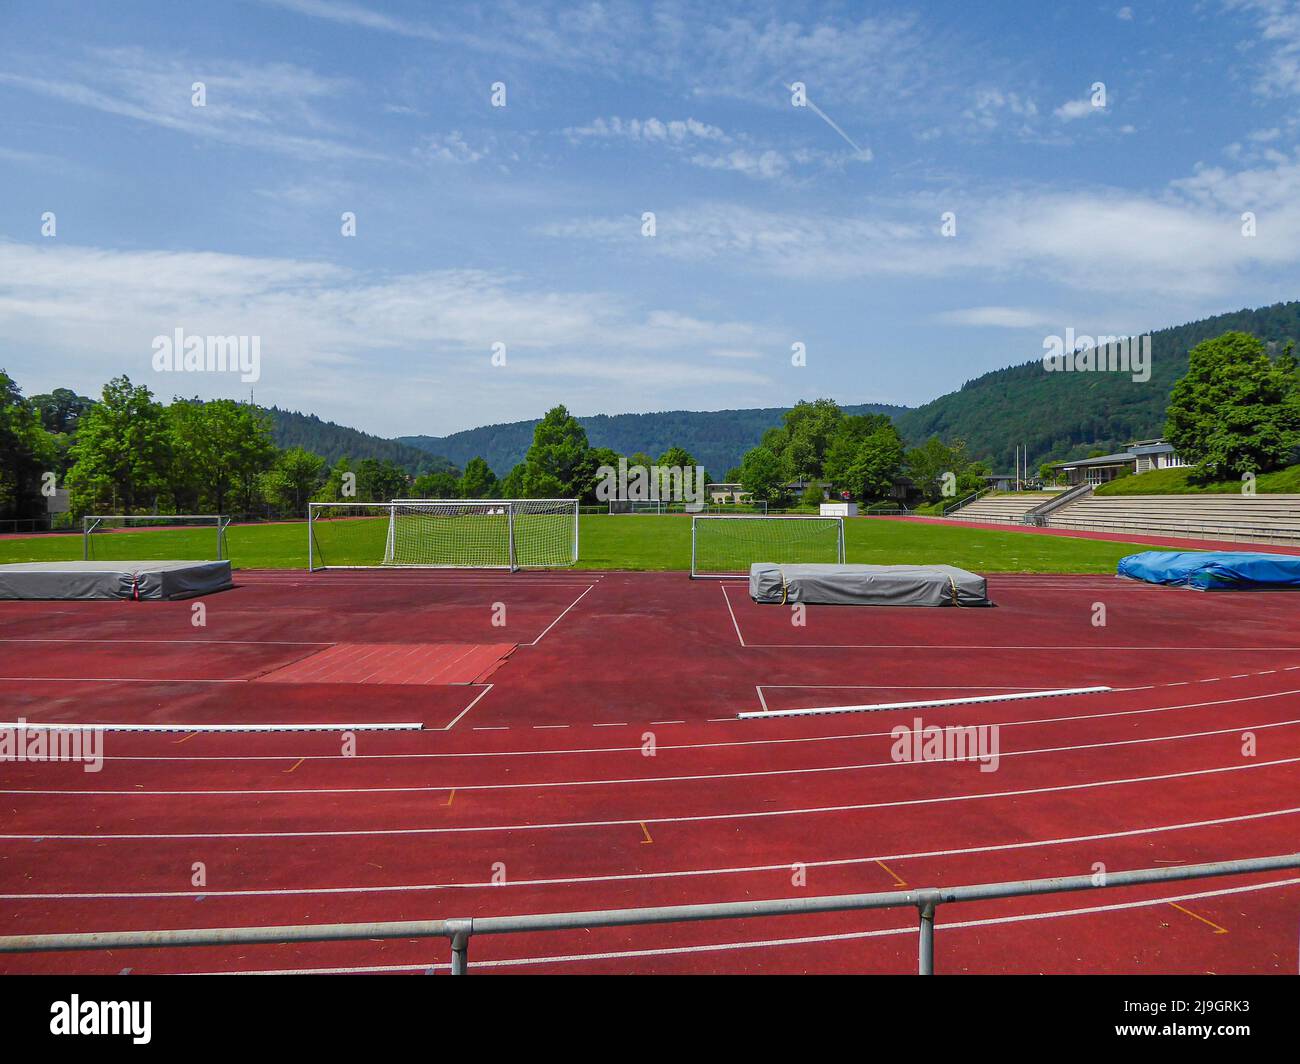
(602,764)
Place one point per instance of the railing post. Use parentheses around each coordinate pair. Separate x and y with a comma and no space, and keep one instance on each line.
(926,906)
(460,932)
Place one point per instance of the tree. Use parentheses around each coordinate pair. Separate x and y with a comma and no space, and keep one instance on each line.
(122,451)
(293,479)
(1236,410)
(340,475)
(26,453)
(478,481)
(928,465)
(760,474)
(560,463)
(874,465)
(224,447)
(436,486)
(380,480)
(60,410)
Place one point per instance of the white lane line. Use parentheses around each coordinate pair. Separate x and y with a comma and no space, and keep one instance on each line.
(559,618)
(181,641)
(771,943)
(637,780)
(788,741)
(924,704)
(690,873)
(735,624)
(12,726)
(474,702)
(698,818)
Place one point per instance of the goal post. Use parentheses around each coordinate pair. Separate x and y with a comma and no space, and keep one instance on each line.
(724,546)
(180,537)
(505,534)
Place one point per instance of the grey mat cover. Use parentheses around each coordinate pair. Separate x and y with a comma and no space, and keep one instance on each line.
(113,580)
(878,585)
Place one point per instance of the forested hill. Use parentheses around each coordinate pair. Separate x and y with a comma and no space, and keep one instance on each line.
(332,442)
(717,438)
(1066,415)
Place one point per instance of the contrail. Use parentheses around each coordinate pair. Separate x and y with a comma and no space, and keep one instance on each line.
(827,119)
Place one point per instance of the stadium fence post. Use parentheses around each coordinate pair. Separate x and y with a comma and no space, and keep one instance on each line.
(926,904)
(460,932)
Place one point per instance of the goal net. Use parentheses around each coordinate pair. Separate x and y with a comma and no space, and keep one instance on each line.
(444,533)
(154,537)
(726,546)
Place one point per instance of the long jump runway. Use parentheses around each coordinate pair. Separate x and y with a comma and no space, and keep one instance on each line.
(356,746)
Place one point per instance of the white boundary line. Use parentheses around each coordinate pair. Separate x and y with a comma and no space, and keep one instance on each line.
(697,818)
(192,728)
(924,704)
(473,702)
(633,781)
(787,741)
(559,618)
(946,647)
(689,873)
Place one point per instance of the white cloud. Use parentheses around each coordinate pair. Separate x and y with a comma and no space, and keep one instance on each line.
(998,317)
(271,107)
(1124,14)
(390,353)
(675,131)
(1072,109)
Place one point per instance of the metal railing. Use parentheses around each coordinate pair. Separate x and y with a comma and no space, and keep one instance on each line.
(1038,515)
(925,901)
(963,502)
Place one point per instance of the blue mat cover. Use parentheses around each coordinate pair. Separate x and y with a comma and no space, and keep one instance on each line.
(1225,570)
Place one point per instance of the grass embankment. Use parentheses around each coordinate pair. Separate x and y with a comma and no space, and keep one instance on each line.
(607,542)
(1178,482)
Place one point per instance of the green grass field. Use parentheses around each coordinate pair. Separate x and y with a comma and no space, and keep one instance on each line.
(606,542)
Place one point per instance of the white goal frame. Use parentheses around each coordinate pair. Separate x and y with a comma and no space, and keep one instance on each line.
(219,522)
(697,574)
(512,508)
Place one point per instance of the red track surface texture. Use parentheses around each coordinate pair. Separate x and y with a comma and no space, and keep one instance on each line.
(602,765)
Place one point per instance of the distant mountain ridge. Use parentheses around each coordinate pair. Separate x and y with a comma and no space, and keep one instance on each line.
(332,442)
(1065,415)
(717,438)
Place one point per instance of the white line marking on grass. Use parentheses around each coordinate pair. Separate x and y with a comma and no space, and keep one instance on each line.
(721,947)
(923,704)
(689,873)
(698,818)
(635,780)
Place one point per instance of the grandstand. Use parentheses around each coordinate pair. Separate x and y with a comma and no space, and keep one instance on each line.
(1002,507)
(1250,518)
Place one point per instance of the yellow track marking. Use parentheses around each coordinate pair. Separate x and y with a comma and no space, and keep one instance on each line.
(177,742)
(646,832)
(451,796)
(296,764)
(897,881)
(1217,929)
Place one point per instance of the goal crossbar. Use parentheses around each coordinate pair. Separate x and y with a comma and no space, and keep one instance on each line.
(726,546)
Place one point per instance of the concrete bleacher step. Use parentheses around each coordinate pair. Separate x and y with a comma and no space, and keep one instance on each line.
(1261,518)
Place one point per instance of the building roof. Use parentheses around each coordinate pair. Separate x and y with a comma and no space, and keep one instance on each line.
(1106,459)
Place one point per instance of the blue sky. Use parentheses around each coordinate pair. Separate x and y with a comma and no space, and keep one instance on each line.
(522,224)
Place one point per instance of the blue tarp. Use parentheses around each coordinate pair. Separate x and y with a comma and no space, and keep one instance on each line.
(1220,570)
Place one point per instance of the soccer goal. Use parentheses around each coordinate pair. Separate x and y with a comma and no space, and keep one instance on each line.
(154,537)
(727,546)
(444,533)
